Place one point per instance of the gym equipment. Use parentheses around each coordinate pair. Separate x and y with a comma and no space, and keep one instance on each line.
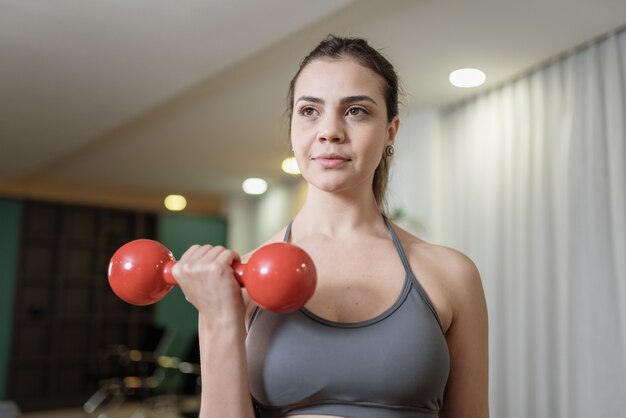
(279,277)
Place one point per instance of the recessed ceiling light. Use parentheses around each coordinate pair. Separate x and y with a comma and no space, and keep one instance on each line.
(290,166)
(467,77)
(175,202)
(254,186)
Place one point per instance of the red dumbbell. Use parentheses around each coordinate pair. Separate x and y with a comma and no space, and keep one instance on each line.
(280,277)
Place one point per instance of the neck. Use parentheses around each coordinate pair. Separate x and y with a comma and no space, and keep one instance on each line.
(338,214)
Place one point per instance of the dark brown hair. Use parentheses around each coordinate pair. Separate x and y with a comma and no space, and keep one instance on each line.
(335,47)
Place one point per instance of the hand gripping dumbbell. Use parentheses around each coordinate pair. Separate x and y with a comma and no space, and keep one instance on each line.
(280,277)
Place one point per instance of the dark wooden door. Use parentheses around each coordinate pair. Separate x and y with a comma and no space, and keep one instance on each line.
(64,310)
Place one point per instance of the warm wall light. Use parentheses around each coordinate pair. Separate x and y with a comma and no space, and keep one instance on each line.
(254,186)
(467,77)
(290,166)
(175,202)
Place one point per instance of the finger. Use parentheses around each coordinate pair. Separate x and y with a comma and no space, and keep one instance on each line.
(176,270)
(190,252)
(213,253)
(227,257)
(202,251)
(186,259)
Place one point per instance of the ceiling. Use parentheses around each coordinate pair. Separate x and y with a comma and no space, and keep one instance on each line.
(123,102)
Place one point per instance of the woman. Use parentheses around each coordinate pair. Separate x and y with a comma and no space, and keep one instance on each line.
(374,341)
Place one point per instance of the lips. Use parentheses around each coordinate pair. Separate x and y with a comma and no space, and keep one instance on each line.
(330,160)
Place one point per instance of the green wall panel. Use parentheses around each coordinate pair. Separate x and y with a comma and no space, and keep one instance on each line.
(10,215)
(178,232)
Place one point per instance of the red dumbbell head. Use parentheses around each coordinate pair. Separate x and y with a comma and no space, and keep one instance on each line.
(138,271)
(279,277)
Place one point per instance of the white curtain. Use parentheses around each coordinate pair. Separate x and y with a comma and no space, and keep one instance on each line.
(532,186)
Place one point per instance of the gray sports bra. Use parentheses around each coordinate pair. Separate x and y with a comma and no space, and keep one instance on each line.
(392,366)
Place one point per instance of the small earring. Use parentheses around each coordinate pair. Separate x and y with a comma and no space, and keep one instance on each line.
(390,150)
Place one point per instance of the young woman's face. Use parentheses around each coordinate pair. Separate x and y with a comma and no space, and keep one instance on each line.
(339,127)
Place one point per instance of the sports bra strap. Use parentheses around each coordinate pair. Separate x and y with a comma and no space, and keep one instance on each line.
(409,272)
(398,245)
(287,232)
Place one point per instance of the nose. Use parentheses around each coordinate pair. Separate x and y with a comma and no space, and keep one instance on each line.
(331,129)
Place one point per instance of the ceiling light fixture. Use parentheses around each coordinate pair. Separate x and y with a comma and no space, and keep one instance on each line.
(254,186)
(175,202)
(467,77)
(290,166)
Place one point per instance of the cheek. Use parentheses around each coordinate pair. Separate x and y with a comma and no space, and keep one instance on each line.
(297,143)
(374,160)
(375,147)
(300,152)
(301,140)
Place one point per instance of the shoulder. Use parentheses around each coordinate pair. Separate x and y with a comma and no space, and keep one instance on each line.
(453,264)
(453,272)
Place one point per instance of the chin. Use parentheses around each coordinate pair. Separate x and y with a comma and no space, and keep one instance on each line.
(335,185)
(333,182)
(327,185)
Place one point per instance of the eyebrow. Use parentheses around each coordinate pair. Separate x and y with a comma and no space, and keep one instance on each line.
(344,100)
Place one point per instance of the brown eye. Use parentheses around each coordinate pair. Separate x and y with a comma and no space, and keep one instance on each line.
(308,111)
(357,111)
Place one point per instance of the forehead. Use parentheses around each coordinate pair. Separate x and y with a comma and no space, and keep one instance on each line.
(338,78)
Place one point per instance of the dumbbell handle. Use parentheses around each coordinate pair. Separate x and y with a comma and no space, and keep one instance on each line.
(168,277)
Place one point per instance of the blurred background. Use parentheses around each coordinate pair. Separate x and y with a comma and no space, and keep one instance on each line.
(108,107)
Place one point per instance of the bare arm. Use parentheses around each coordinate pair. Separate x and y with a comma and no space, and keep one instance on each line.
(224,368)
(205,275)
(466,393)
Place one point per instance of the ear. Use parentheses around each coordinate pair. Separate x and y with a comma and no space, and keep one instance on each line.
(392,130)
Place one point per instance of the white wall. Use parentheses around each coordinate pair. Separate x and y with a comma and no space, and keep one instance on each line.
(412,184)
(273,212)
(241,230)
(252,220)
